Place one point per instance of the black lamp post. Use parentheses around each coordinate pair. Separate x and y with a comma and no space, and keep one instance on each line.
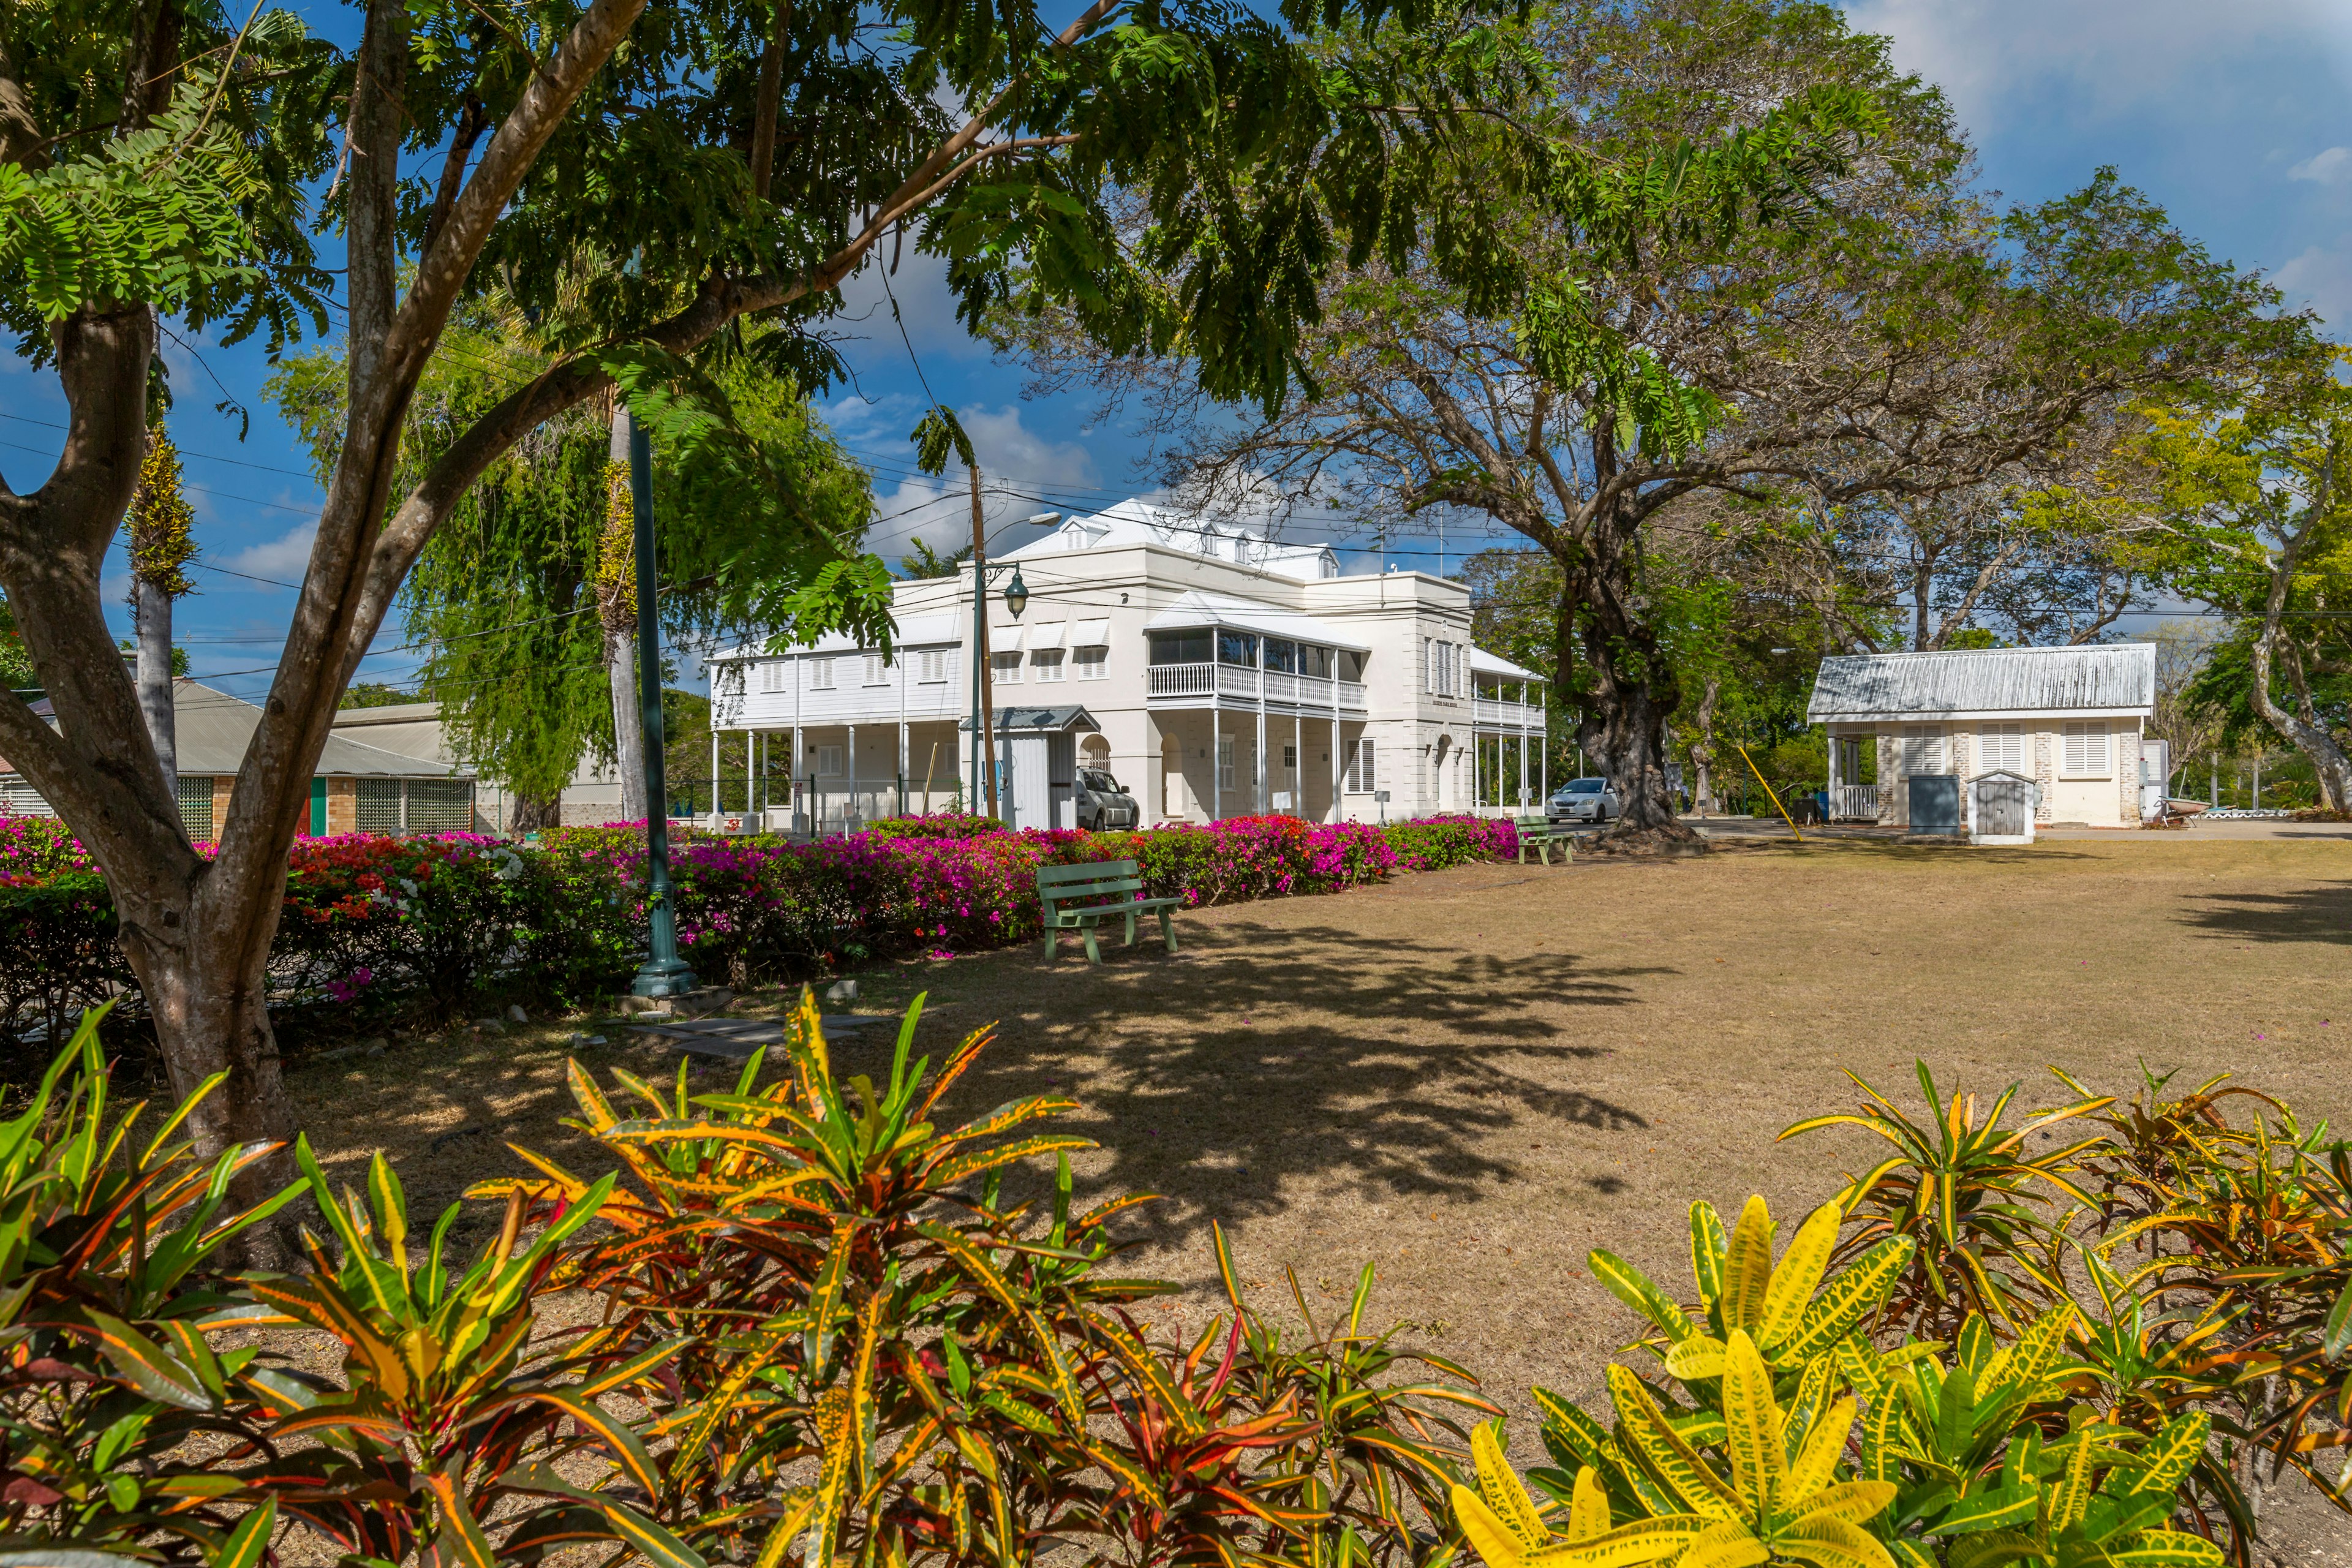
(663,973)
(983,695)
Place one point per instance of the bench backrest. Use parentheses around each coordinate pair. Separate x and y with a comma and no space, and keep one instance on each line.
(1531,823)
(1089,879)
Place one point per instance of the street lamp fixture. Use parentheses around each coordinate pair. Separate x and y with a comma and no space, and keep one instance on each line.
(1016,595)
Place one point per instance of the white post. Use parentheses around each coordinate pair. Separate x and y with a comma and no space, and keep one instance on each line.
(849,802)
(1523,745)
(1257,762)
(1216,753)
(714,764)
(1336,814)
(1298,773)
(1543,764)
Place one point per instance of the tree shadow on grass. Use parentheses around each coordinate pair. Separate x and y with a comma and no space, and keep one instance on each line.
(2319,914)
(1266,1057)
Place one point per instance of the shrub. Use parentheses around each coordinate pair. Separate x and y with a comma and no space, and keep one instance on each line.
(370,924)
(1436,843)
(369,918)
(939,824)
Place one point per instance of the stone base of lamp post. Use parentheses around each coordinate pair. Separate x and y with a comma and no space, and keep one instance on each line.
(688,1004)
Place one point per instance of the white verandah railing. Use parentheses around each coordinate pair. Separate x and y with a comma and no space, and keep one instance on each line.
(1852,803)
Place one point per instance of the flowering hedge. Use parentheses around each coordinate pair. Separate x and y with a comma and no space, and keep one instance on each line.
(372,922)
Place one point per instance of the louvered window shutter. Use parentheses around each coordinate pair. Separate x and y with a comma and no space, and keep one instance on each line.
(2086,752)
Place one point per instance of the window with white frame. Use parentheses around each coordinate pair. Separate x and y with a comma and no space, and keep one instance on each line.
(828,761)
(1224,761)
(2082,750)
(1092,661)
(877,671)
(931,665)
(771,674)
(1048,663)
(1923,749)
(1442,665)
(1363,774)
(1005,669)
(819,671)
(2001,746)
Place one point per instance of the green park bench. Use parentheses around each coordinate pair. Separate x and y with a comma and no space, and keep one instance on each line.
(1541,834)
(1060,889)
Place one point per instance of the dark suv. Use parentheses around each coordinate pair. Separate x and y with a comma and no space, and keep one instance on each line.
(1103,802)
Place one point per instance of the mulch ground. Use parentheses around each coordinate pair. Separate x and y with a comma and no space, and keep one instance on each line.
(1468,1078)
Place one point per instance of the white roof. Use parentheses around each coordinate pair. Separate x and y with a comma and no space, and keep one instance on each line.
(914,631)
(1484,663)
(1132,522)
(1194,608)
(2110,679)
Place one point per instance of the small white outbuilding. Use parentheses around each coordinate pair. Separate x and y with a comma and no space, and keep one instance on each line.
(2070,719)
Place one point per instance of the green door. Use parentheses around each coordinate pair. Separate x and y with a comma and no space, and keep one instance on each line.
(318,809)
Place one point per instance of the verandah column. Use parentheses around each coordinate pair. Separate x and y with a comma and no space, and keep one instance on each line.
(1336,814)
(1216,756)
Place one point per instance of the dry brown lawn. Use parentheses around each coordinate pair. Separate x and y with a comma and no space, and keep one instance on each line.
(1471,1077)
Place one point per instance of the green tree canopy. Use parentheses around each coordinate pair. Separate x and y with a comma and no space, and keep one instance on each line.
(503,602)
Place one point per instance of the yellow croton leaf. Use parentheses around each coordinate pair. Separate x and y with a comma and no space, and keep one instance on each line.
(1499,1487)
(1588,1507)
(1696,1357)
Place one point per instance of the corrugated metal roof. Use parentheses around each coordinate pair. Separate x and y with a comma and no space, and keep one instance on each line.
(2102,677)
(212,730)
(1484,663)
(1031,718)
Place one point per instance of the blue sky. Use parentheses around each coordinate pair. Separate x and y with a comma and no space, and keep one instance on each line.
(2233,115)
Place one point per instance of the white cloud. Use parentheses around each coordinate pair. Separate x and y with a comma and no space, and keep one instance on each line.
(2321,277)
(283,559)
(2325,168)
(1017,467)
(927,307)
(2103,56)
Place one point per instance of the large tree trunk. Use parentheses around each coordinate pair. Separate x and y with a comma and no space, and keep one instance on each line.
(628,730)
(535,813)
(617,610)
(1634,690)
(154,608)
(1702,749)
(2306,734)
(200,953)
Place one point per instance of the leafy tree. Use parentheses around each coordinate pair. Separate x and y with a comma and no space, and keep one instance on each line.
(518,595)
(2258,489)
(926,562)
(1875,333)
(374,694)
(635,176)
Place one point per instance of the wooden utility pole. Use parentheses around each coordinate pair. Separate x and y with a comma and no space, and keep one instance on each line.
(986,718)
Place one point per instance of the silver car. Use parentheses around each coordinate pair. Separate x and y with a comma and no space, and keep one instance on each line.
(1103,802)
(1583,800)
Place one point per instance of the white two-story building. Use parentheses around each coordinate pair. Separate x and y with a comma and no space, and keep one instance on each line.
(1215,672)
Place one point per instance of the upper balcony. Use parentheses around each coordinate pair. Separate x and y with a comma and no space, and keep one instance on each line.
(1212,683)
(1504,714)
